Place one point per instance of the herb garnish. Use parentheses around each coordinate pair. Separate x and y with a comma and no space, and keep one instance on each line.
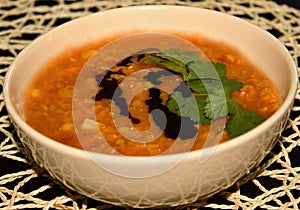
(211,89)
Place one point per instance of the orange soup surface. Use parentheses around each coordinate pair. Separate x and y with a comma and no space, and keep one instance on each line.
(49,101)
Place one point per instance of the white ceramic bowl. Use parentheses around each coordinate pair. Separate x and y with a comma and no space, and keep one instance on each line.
(188,180)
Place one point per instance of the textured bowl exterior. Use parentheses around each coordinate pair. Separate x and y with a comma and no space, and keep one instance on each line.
(190,179)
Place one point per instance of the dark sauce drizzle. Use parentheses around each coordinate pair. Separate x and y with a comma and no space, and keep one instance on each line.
(154,76)
(176,126)
(110,89)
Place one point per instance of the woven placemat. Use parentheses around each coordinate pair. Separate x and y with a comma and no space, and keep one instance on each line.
(23,185)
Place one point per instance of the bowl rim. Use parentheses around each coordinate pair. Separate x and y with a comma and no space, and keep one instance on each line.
(223,147)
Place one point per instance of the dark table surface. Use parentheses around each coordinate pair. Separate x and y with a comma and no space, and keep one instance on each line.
(19,176)
(292,3)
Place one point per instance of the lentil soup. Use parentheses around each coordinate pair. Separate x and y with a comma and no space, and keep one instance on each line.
(49,99)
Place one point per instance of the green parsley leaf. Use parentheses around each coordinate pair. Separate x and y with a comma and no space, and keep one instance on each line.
(216,105)
(175,65)
(192,107)
(220,68)
(198,87)
(231,85)
(172,104)
(186,106)
(172,59)
(201,107)
(175,54)
(240,121)
(212,90)
(201,70)
(204,87)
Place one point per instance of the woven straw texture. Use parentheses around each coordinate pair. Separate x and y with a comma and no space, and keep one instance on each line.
(23,185)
